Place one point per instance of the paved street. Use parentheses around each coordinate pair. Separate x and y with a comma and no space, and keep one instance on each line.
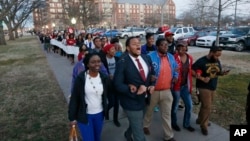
(63,69)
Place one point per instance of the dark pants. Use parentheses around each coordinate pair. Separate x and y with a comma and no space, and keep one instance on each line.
(114,102)
(72,58)
(135,128)
(62,52)
(55,49)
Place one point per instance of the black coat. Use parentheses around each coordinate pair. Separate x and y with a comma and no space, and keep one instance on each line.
(126,73)
(78,106)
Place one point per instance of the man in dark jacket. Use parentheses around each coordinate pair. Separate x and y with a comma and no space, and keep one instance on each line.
(132,80)
(171,44)
(109,61)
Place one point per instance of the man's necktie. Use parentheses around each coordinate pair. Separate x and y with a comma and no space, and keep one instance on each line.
(141,70)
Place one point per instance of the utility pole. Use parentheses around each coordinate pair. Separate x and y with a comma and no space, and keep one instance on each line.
(162,6)
(218,24)
(235,13)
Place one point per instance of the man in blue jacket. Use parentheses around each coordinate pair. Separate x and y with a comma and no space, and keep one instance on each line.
(165,68)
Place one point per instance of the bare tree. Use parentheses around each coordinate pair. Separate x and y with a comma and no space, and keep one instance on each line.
(222,5)
(210,11)
(152,19)
(2,38)
(4,10)
(189,18)
(23,24)
(18,13)
(86,11)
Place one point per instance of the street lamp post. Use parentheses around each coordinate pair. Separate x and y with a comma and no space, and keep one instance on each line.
(53,25)
(46,28)
(73,21)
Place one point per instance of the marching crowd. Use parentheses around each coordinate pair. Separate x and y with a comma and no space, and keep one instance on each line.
(156,74)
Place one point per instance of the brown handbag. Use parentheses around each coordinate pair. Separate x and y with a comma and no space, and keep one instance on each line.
(73,134)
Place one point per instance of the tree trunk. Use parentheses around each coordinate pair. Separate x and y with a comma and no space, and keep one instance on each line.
(218,24)
(2,38)
(10,29)
(85,24)
(16,34)
(11,35)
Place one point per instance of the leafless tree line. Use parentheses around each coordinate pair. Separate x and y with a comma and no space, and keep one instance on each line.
(86,12)
(15,14)
(210,13)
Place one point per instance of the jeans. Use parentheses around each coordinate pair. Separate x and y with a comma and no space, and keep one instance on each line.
(186,97)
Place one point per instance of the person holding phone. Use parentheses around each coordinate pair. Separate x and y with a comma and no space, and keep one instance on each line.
(206,70)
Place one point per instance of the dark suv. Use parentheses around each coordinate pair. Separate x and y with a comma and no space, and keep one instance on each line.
(238,39)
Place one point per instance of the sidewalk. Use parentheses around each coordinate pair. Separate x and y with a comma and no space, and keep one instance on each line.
(63,70)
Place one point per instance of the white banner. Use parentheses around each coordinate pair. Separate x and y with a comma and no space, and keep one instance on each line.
(68,49)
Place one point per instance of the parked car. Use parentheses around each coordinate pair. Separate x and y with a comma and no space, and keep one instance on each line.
(190,38)
(207,41)
(131,31)
(178,32)
(98,32)
(239,39)
(151,30)
(162,29)
(110,33)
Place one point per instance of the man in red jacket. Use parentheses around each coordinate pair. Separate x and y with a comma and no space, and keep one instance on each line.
(183,87)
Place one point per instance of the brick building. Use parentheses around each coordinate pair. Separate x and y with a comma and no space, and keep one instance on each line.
(112,13)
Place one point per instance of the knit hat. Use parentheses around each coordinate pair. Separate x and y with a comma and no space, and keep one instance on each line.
(107,47)
(168,33)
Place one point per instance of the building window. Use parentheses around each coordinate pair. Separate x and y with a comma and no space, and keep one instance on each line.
(52,16)
(54,0)
(52,5)
(59,5)
(59,10)
(52,10)
(119,11)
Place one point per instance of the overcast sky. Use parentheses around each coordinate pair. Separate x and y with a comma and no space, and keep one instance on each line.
(182,5)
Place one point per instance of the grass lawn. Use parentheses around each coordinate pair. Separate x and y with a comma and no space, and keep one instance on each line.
(32,105)
(230,100)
